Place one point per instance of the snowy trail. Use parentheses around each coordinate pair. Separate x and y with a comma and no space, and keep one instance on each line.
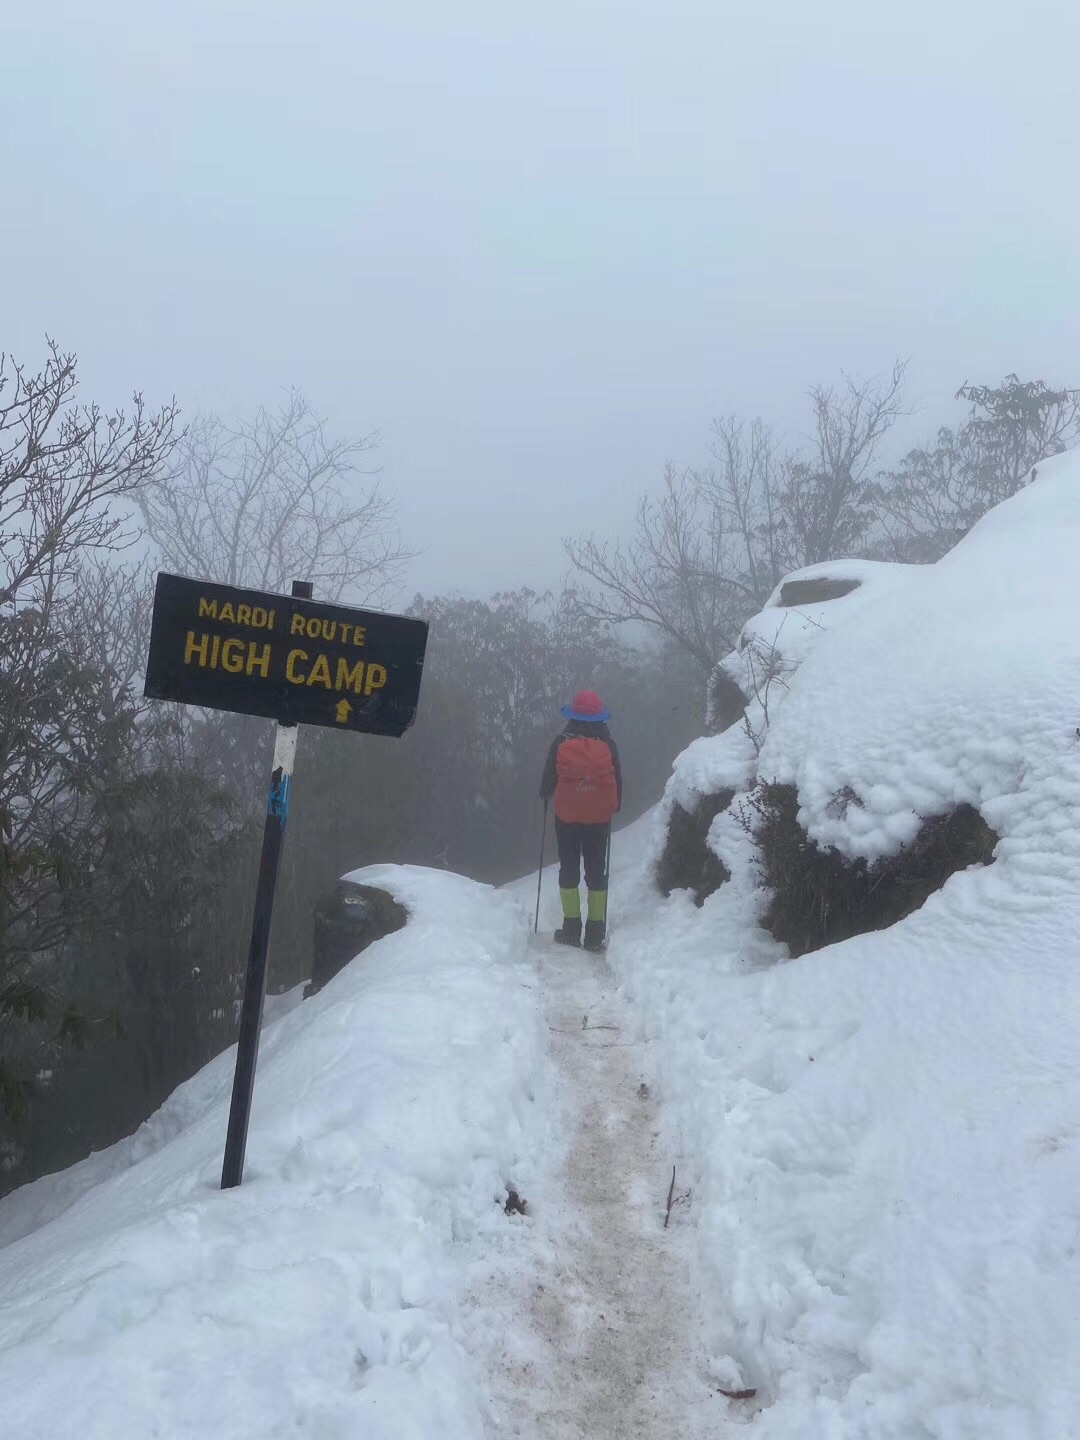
(601,1331)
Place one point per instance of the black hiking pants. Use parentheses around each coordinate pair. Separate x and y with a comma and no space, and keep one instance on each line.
(577,843)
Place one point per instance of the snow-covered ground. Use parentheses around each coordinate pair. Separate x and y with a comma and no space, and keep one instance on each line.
(365,1281)
(876,1214)
(322,1299)
(883,1136)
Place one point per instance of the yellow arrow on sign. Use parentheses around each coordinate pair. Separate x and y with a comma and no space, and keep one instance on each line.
(343,711)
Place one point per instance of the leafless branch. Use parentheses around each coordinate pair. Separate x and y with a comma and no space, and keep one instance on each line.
(62,468)
(706,552)
(273,498)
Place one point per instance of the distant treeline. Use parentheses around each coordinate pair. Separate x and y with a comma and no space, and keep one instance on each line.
(129,830)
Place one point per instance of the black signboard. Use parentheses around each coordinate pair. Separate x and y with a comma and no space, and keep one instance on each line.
(294,660)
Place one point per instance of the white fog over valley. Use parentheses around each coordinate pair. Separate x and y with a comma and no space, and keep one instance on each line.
(539,721)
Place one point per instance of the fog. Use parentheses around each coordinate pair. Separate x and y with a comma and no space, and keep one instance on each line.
(537,248)
(665,915)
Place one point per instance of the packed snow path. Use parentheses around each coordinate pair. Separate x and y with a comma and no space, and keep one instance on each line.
(602,1339)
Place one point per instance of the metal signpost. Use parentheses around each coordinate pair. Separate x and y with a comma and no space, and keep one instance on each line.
(298,662)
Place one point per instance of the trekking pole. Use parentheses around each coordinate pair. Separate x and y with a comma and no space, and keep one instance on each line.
(607,877)
(540,877)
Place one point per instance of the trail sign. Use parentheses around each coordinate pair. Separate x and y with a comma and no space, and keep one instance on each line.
(291,659)
(299,662)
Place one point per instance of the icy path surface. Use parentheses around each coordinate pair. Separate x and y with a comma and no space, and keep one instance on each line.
(601,1338)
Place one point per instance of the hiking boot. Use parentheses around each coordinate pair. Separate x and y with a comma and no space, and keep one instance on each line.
(594,934)
(569,932)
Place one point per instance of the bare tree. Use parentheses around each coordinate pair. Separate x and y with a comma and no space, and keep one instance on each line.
(744,483)
(270,499)
(707,552)
(823,511)
(673,575)
(63,468)
(941,489)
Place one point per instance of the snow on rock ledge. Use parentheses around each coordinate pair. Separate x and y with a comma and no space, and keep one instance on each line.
(746,691)
(774,642)
(962,684)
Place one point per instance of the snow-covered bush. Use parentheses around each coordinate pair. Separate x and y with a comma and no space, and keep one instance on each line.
(817,896)
(687,862)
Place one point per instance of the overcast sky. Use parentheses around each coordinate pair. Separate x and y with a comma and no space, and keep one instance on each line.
(538,246)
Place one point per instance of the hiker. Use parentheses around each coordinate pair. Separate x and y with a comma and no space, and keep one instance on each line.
(584,777)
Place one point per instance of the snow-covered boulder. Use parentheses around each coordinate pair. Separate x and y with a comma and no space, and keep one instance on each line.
(774,642)
(961,683)
(744,690)
(348,918)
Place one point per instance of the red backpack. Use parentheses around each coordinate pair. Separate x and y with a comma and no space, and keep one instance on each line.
(586,793)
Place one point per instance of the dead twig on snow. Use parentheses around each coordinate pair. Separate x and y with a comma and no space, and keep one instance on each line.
(670,1198)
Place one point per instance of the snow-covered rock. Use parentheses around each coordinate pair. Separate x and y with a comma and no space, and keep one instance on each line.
(882,1136)
(774,642)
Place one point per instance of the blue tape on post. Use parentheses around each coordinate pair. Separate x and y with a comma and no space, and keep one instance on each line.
(278,805)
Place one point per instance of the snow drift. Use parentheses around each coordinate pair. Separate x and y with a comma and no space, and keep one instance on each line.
(882,1136)
(323,1298)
